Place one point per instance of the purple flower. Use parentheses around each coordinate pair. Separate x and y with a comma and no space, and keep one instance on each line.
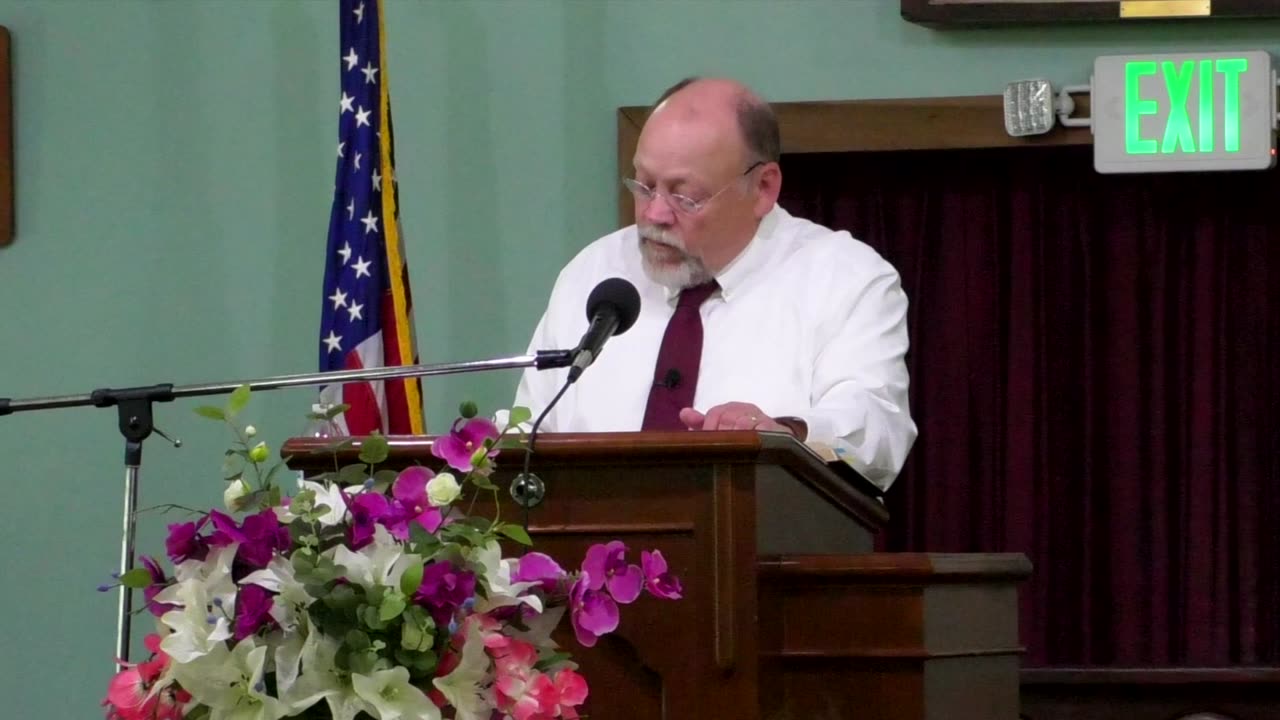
(263,536)
(225,530)
(606,565)
(591,612)
(539,568)
(410,490)
(444,589)
(184,542)
(253,610)
(158,583)
(366,509)
(657,580)
(459,446)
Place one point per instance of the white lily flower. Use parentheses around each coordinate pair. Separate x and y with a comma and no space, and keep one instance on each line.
(497,574)
(381,562)
(230,683)
(345,704)
(233,497)
(462,686)
(206,600)
(327,494)
(318,679)
(539,628)
(291,596)
(393,697)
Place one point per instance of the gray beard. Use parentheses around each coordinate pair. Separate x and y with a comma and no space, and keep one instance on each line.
(688,272)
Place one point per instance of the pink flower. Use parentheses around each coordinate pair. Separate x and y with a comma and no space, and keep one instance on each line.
(657,580)
(158,584)
(460,446)
(540,568)
(571,691)
(606,565)
(130,695)
(410,490)
(591,612)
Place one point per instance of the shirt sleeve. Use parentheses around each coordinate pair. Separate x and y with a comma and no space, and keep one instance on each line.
(860,402)
(538,388)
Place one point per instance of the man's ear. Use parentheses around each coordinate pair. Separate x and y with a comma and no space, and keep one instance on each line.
(768,187)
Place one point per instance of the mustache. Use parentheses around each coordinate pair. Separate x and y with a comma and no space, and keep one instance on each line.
(664,237)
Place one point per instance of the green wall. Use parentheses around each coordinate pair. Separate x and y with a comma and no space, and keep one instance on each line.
(174,164)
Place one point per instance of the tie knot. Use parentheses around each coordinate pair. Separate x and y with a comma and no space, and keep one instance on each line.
(696,295)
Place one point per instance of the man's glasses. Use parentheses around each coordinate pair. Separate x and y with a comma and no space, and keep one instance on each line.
(681,203)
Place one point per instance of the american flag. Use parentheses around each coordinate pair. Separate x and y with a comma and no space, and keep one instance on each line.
(368,313)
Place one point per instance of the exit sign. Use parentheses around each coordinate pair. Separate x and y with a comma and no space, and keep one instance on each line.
(1183,112)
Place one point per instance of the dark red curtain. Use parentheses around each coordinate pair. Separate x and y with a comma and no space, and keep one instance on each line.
(1095,370)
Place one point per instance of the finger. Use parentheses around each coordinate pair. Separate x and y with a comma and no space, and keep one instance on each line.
(712,419)
(692,419)
(746,421)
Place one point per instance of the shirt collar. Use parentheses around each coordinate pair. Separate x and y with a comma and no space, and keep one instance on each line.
(754,256)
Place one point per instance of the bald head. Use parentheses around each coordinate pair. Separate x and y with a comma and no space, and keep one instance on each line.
(719,100)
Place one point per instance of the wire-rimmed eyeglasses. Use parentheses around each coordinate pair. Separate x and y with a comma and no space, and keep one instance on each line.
(681,203)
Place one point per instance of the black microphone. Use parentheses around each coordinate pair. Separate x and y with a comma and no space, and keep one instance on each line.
(612,309)
(671,380)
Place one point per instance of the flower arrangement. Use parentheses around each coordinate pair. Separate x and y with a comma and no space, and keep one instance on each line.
(368,593)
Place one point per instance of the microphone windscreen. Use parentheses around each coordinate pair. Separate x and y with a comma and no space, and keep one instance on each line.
(622,295)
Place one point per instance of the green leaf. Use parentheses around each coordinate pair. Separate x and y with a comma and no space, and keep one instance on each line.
(482,482)
(354,474)
(363,662)
(276,468)
(459,531)
(137,578)
(303,502)
(422,541)
(273,496)
(336,410)
(370,617)
(411,579)
(211,412)
(416,632)
(340,445)
(383,479)
(357,640)
(519,414)
(392,605)
(239,398)
(552,660)
(374,449)
(341,596)
(515,532)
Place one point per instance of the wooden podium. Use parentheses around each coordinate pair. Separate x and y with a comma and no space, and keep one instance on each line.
(787,611)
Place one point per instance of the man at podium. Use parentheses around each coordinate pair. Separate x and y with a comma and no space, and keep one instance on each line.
(750,318)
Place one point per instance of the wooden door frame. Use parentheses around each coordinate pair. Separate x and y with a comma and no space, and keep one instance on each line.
(832,126)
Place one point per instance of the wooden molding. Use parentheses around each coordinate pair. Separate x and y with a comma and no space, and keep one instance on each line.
(987,13)
(839,126)
(6,140)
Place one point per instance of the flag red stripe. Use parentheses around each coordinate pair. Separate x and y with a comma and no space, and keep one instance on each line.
(363,417)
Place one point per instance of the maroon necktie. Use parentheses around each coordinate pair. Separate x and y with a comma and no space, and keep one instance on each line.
(675,376)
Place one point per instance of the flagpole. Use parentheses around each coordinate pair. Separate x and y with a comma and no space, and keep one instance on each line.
(134,410)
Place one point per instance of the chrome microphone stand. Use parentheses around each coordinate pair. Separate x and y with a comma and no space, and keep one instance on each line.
(134,409)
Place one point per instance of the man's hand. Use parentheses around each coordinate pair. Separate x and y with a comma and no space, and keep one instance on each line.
(732,416)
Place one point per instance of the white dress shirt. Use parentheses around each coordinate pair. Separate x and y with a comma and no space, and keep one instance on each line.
(808,323)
